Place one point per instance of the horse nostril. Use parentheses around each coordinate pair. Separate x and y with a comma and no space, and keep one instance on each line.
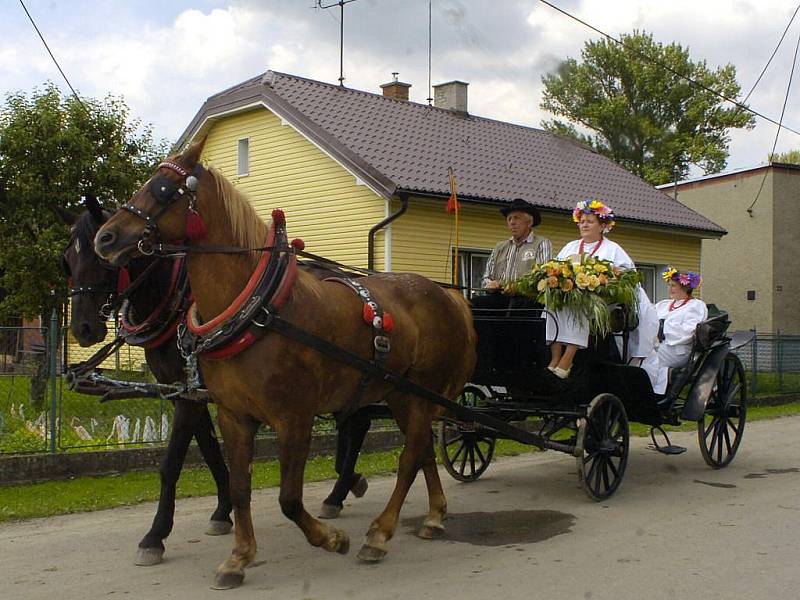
(106,238)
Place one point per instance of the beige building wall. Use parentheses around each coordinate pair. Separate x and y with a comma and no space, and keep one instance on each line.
(742,260)
(785,250)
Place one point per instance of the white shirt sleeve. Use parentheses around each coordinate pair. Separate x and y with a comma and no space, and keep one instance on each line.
(679,325)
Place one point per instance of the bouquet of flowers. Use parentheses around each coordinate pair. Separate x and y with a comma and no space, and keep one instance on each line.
(584,286)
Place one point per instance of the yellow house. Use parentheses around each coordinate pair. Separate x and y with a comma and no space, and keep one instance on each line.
(363,178)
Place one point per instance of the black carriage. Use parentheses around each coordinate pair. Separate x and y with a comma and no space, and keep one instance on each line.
(513,396)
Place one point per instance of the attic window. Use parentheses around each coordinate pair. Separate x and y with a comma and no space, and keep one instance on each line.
(243,157)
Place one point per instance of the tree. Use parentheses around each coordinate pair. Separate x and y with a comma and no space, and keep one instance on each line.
(53,150)
(791,157)
(642,115)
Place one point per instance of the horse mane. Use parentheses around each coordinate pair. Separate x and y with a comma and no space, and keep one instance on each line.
(249,230)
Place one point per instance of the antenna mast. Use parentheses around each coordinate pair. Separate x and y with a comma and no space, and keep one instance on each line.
(340,4)
(430,36)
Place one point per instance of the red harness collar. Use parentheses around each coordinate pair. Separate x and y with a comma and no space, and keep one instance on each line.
(247,337)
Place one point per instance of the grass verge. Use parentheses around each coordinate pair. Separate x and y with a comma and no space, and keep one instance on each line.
(96,493)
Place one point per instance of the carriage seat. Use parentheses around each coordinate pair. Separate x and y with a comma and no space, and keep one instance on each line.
(706,334)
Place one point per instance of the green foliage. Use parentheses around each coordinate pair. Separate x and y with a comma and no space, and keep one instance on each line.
(52,151)
(643,116)
(791,157)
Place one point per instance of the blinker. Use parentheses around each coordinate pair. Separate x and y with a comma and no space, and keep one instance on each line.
(163,189)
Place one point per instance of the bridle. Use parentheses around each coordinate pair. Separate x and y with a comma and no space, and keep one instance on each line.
(166,191)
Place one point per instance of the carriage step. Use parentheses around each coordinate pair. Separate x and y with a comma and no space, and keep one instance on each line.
(669,447)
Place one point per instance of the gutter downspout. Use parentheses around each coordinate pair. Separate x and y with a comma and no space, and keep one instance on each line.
(375,228)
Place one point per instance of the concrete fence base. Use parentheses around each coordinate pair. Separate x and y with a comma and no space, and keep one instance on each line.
(30,468)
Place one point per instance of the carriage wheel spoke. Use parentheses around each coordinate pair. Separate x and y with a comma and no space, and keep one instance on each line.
(733,426)
(461,448)
(718,436)
(613,468)
(480,454)
(606,483)
(472,459)
(597,475)
(463,461)
(727,436)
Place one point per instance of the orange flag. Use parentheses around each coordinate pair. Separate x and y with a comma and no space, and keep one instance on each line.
(452,202)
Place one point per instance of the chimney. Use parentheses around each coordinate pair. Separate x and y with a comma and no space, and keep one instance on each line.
(396,89)
(451,95)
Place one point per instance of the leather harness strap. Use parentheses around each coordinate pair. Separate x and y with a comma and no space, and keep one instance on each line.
(381,323)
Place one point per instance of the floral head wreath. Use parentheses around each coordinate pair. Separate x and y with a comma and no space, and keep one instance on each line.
(604,214)
(688,278)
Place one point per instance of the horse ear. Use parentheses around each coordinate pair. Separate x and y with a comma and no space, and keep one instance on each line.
(192,156)
(66,216)
(94,208)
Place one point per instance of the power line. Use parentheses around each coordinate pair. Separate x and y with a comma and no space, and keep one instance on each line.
(60,70)
(777,133)
(774,52)
(671,70)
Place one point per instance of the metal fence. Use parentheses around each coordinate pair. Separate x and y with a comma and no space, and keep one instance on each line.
(39,414)
(772,362)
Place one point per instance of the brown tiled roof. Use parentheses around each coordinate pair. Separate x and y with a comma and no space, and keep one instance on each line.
(398,145)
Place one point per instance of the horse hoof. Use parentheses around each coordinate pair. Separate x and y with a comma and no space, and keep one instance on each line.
(429,532)
(338,541)
(227,580)
(371,554)
(360,487)
(219,527)
(329,511)
(147,557)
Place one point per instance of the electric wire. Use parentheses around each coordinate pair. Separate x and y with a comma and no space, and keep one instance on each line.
(777,133)
(58,66)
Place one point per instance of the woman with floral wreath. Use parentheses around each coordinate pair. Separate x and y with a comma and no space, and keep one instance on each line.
(594,220)
(679,315)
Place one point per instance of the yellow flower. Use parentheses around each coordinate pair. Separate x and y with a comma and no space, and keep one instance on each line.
(603,279)
(594,281)
(596,204)
(600,268)
(552,282)
(582,280)
(578,269)
(541,285)
(567,285)
(565,271)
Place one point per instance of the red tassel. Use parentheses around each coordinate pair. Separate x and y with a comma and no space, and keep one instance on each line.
(369,313)
(298,244)
(388,322)
(195,226)
(123,280)
(278,218)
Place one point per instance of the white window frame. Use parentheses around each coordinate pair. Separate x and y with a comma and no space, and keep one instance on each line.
(243,157)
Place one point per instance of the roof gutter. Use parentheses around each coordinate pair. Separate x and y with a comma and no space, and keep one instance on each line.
(378,226)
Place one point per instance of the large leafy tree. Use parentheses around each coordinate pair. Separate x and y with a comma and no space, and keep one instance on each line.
(54,149)
(642,114)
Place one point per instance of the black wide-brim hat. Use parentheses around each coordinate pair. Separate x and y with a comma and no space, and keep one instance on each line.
(523,206)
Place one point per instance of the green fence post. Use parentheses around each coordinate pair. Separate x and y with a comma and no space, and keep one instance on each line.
(754,361)
(53,366)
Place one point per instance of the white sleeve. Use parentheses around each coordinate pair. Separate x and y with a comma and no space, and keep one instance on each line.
(679,325)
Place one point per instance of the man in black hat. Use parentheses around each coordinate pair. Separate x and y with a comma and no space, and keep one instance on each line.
(515,256)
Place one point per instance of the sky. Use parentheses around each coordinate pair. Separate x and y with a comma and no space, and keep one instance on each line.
(165,58)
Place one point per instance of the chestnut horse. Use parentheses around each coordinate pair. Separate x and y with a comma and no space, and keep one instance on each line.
(282,382)
(93,283)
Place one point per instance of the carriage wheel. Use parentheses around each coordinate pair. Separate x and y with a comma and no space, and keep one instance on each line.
(464,447)
(720,429)
(603,441)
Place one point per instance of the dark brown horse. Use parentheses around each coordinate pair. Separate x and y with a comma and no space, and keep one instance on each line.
(93,286)
(285,383)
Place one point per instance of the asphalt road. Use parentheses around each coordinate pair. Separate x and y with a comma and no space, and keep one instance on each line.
(675,529)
